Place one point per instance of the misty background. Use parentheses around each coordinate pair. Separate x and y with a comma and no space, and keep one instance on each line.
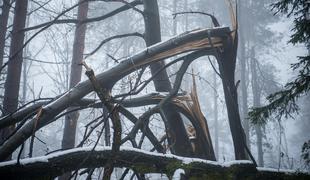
(47,58)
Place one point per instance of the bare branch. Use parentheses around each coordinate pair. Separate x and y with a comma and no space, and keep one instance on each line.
(213,18)
(111,38)
(75,21)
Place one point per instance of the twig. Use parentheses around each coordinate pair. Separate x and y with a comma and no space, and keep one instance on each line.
(111,38)
(213,18)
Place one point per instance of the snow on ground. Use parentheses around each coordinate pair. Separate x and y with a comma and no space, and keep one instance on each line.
(286,171)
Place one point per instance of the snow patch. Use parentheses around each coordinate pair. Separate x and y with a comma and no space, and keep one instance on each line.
(286,171)
(230,163)
(25,161)
(177,174)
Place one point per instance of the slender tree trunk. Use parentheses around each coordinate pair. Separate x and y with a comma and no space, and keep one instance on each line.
(215,111)
(174,33)
(68,140)
(243,69)
(243,75)
(24,84)
(176,129)
(256,103)
(175,22)
(107,131)
(12,82)
(4,16)
(244,91)
(187,79)
(186,15)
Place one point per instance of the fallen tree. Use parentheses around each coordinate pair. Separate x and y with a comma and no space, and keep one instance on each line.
(204,39)
(141,161)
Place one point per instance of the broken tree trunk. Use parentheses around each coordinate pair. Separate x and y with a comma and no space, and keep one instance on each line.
(190,41)
(202,139)
(177,135)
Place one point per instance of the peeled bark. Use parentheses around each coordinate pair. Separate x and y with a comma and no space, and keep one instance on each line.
(12,82)
(181,144)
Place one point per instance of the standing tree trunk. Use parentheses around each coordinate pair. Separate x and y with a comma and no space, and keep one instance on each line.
(12,82)
(175,22)
(227,65)
(215,111)
(244,91)
(243,74)
(68,140)
(256,103)
(177,135)
(3,26)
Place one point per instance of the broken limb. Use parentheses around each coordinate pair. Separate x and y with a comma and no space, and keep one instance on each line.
(190,41)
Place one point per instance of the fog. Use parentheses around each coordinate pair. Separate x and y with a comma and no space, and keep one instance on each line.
(263,45)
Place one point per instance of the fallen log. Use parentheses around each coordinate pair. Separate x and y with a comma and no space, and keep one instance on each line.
(141,161)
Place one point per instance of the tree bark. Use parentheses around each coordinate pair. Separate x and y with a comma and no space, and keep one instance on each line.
(227,64)
(178,137)
(12,82)
(6,5)
(68,140)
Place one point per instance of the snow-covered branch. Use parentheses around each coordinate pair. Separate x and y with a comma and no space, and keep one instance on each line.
(142,161)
